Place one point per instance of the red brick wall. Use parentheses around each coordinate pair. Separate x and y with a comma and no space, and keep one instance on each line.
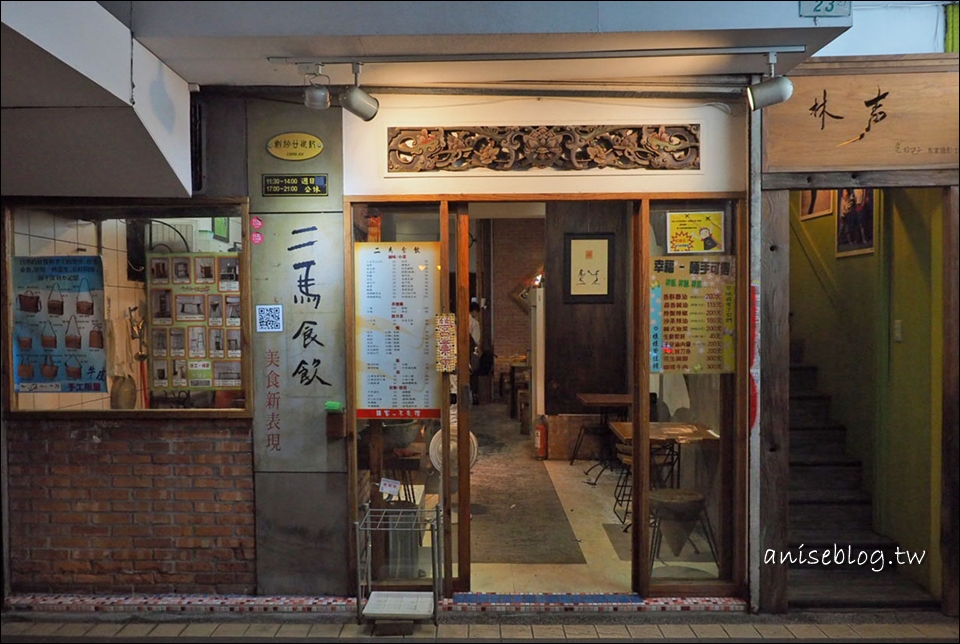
(518,249)
(132,506)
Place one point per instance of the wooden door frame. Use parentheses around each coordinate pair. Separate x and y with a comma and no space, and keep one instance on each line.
(776,187)
(457,204)
(734,450)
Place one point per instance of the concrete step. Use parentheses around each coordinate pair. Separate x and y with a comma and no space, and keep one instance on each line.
(829,474)
(829,547)
(799,497)
(803,378)
(809,409)
(837,515)
(823,458)
(814,587)
(819,437)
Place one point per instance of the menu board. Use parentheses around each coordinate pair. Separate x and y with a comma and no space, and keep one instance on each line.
(398,297)
(194,325)
(693,314)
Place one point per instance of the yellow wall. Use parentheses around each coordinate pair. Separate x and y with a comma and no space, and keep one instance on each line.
(885,392)
(908,443)
(834,305)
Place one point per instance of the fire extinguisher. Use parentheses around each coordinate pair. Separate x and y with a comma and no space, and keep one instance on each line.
(540,437)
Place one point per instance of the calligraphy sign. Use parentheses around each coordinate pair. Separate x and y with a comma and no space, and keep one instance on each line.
(865,122)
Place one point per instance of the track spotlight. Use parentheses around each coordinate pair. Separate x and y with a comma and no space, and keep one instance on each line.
(316,95)
(769,92)
(775,89)
(358,102)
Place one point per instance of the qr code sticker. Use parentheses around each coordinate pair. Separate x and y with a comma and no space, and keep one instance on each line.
(270,318)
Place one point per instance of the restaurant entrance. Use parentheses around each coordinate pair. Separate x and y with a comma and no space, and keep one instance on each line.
(614,280)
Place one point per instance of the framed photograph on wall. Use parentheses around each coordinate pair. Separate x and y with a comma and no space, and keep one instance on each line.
(588,267)
(817,203)
(221,228)
(856,221)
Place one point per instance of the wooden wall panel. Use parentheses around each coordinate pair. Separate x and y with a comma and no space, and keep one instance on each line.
(774,395)
(871,121)
(586,344)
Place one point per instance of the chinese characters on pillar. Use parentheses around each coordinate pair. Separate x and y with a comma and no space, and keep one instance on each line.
(272,402)
(308,372)
(693,314)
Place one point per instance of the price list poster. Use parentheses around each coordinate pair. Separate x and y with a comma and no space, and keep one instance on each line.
(693,314)
(398,298)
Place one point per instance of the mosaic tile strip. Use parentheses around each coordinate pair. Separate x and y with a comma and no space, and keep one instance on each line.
(460,603)
(180,603)
(545,598)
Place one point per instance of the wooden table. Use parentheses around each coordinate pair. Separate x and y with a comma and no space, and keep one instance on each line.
(678,432)
(606,404)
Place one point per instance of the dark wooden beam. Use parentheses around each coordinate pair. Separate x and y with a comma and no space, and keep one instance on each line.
(950,476)
(859,179)
(774,396)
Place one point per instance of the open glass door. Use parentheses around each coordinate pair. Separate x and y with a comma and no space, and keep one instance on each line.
(401,388)
(692,439)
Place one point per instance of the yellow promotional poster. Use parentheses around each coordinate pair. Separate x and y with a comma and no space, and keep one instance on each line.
(695,232)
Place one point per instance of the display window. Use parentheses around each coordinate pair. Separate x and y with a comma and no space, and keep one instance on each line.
(106,294)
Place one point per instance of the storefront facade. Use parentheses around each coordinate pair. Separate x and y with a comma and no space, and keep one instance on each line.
(257,492)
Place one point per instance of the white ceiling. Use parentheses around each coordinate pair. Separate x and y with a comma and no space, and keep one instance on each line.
(36,85)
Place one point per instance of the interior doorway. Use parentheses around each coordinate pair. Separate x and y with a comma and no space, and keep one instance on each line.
(536,526)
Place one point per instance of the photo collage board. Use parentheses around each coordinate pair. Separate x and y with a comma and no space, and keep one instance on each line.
(194,335)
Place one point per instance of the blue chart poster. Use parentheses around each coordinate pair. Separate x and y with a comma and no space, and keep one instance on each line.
(58,325)
(656,327)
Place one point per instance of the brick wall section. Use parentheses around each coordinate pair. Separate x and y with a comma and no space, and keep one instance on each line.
(518,249)
(132,506)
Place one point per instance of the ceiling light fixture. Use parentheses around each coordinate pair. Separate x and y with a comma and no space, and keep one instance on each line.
(358,102)
(775,89)
(316,95)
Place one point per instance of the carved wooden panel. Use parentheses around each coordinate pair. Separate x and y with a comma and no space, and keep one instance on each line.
(561,147)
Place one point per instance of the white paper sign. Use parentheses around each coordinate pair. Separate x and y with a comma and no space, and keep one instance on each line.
(389,487)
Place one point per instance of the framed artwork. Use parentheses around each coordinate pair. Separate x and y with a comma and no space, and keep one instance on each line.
(817,203)
(221,228)
(856,221)
(587,268)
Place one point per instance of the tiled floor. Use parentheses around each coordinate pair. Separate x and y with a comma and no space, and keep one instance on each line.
(25,631)
(588,508)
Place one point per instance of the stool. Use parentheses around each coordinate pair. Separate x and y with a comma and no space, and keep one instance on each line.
(623,489)
(683,509)
(665,463)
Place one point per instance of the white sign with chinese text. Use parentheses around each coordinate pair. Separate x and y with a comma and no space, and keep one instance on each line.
(398,296)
